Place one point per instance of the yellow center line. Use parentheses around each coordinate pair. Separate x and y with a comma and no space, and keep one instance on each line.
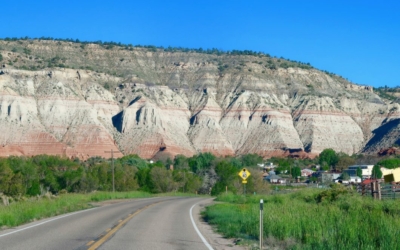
(90,243)
(103,239)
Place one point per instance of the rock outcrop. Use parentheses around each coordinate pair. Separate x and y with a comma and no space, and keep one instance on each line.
(185,103)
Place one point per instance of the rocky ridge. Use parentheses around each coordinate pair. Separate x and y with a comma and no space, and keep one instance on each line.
(163,103)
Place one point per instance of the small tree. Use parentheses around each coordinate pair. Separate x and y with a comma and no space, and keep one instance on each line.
(227,175)
(359,172)
(376,172)
(296,171)
(1,57)
(345,176)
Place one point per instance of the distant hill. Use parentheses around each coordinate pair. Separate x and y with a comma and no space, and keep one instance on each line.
(81,99)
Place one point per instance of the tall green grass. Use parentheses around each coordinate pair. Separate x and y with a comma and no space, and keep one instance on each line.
(33,209)
(311,219)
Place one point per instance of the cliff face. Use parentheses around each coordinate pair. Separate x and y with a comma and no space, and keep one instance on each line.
(181,103)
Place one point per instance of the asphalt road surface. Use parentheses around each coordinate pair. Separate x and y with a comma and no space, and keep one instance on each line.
(152,223)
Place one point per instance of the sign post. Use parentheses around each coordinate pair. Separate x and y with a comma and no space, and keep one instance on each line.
(261,222)
(244,174)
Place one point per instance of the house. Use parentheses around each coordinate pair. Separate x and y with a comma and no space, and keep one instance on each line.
(355,179)
(327,177)
(386,171)
(306,172)
(366,170)
(352,179)
(275,179)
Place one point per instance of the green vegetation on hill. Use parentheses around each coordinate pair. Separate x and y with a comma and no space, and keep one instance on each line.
(388,93)
(335,218)
(29,56)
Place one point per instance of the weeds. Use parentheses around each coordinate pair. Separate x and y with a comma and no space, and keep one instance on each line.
(311,219)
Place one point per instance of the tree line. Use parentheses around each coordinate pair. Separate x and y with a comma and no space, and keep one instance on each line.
(202,173)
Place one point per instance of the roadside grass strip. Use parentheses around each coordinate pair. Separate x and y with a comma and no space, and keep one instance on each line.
(33,209)
(304,220)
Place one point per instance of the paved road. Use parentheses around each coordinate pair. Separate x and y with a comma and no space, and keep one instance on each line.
(153,223)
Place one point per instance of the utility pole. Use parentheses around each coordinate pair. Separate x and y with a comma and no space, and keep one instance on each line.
(112,167)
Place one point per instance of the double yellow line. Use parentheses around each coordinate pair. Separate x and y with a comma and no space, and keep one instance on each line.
(96,244)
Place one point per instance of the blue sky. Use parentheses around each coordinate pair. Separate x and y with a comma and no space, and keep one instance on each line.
(359,40)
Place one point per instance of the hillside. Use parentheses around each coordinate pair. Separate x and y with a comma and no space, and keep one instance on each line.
(81,99)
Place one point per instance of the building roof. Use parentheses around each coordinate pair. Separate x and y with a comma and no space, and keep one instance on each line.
(273,176)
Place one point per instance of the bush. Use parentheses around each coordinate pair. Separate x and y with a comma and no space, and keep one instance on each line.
(332,194)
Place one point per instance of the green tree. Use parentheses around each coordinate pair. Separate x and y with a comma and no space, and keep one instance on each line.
(203,161)
(376,172)
(125,178)
(134,161)
(27,169)
(102,173)
(144,179)
(345,176)
(359,172)
(390,163)
(344,162)
(6,175)
(328,157)
(296,171)
(251,160)
(162,180)
(186,181)
(168,163)
(1,57)
(181,162)
(193,183)
(16,186)
(227,175)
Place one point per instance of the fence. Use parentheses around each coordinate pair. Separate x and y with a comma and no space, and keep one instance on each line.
(379,190)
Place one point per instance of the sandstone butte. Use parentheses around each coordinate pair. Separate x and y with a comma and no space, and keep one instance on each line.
(159,103)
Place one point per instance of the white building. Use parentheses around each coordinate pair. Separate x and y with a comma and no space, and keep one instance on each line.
(366,170)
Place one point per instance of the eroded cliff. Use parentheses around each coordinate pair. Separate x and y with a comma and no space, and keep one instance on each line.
(180,103)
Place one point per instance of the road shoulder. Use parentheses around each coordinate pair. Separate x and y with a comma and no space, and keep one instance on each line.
(217,241)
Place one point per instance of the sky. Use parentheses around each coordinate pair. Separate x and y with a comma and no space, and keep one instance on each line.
(359,40)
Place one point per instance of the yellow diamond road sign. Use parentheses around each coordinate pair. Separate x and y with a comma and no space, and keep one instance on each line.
(244,174)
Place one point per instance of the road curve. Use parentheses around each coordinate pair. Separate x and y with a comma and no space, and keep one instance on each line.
(152,223)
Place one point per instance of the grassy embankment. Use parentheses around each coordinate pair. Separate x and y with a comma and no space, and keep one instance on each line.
(311,219)
(32,209)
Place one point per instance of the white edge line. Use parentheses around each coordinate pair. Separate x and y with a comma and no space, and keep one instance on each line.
(56,218)
(198,231)
(44,222)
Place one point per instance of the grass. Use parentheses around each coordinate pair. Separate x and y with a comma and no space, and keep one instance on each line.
(310,219)
(32,209)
